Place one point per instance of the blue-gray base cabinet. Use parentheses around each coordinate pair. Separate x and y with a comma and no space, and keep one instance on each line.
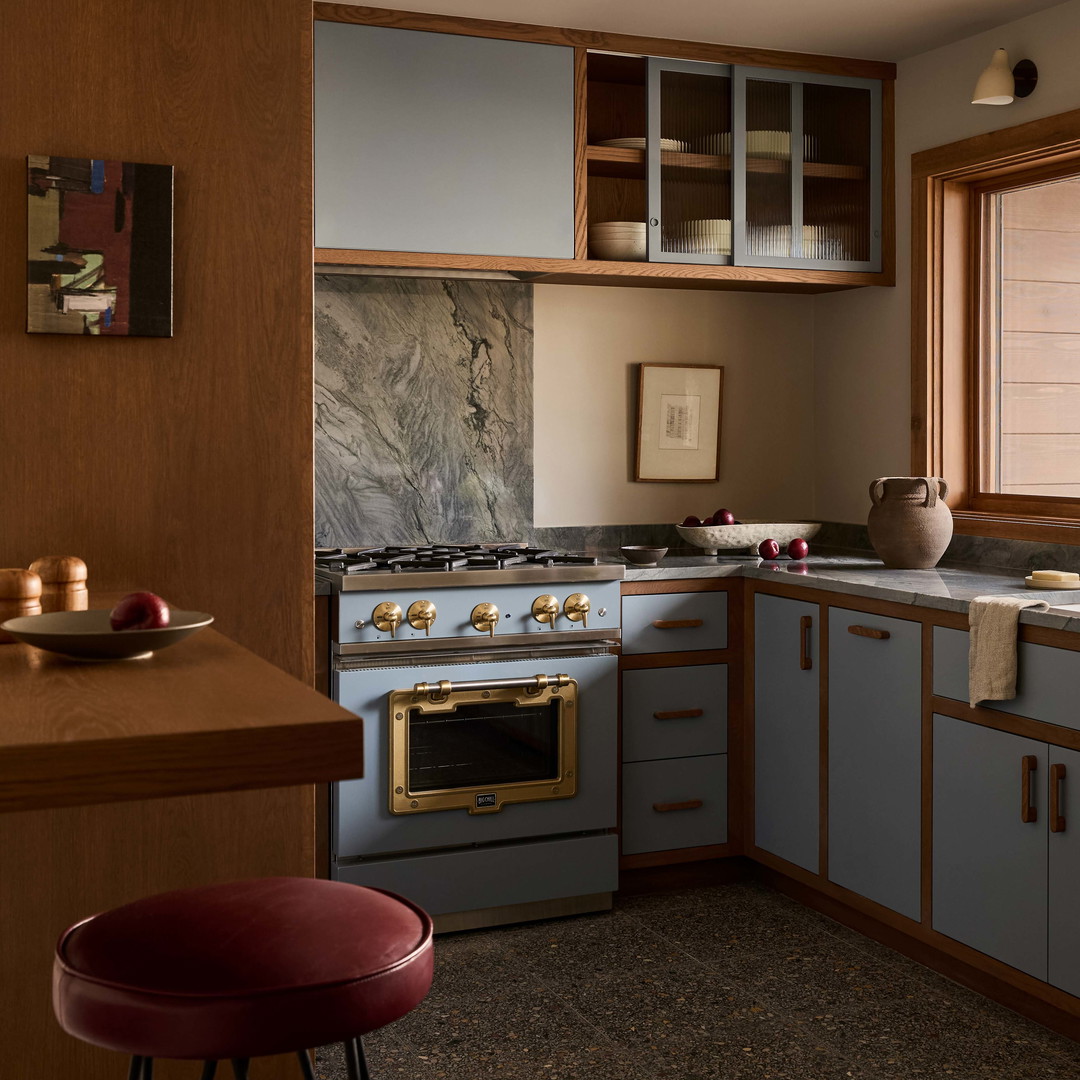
(674,718)
(787,815)
(1006,861)
(875,758)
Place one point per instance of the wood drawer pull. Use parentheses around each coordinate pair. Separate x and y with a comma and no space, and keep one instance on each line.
(869,631)
(665,807)
(677,624)
(805,623)
(679,714)
(1028,813)
(1057,779)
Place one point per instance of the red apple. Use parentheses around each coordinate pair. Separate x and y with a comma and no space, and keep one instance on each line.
(140,611)
(798,548)
(769,549)
(724,517)
(708,521)
(691,522)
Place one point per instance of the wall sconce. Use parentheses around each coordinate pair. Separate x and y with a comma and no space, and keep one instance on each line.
(998,85)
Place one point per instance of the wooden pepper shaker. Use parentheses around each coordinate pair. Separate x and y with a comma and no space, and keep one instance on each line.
(63,581)
(20,594)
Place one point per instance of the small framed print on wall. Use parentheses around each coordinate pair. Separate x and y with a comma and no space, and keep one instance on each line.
(679,408)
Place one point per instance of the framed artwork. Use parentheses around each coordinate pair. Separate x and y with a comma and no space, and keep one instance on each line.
(99,247)
(679,408)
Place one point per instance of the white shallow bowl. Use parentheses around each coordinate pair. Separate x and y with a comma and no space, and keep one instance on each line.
(746,535)
(86,635)
(639,143)
(618,250)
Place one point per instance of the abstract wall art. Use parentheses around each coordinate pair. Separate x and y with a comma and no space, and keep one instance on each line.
(99,258)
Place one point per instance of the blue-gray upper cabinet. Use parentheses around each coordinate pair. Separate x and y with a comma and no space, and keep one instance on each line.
(442,143)
(875,759)
(786,726)
(989,863)
(763,167)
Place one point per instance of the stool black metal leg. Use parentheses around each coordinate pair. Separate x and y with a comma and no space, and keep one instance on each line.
(240,1068)
(209,1070)
(148,1069)
(355,1062)
(135,1072)
(305,1064)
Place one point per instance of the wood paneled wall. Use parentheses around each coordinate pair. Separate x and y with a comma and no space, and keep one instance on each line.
(181,465)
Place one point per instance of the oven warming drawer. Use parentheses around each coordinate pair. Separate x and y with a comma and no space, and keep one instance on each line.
(499,875)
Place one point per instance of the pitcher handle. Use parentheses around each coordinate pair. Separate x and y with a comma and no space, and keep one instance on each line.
(936,488)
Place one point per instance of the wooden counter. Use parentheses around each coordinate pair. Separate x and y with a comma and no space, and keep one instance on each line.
(117,780)
(204,715)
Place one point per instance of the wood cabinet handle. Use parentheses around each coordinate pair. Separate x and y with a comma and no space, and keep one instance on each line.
(679,714)
(677,624)
(805,624)
(869,631)
(1057,778)
(1028,765)
(665,807)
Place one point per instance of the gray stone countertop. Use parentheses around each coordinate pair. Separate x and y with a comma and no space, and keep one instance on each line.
(947,588)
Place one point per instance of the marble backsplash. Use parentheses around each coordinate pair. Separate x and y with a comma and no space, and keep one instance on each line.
(423,410)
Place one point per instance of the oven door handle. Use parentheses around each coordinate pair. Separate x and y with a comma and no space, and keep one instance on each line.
(535,683)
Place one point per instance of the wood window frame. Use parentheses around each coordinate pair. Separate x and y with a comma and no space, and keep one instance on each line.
(947,183)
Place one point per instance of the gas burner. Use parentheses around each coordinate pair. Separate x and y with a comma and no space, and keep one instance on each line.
(429,562)
(345,564)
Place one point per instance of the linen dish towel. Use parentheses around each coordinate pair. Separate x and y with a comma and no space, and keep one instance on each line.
(992,646)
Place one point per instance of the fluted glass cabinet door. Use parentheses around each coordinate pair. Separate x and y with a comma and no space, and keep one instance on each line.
(689,162)
(806,170)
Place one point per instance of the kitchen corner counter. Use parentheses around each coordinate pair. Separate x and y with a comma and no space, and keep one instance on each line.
(946,588)
(205,715)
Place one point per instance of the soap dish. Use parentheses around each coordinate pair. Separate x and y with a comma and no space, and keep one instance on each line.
(1056,586)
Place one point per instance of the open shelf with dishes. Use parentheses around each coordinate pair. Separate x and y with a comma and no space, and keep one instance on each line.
(698,158)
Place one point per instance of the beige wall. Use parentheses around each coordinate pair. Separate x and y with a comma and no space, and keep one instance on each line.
(862,339)
(588,343)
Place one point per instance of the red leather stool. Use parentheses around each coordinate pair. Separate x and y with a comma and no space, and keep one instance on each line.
(236,971)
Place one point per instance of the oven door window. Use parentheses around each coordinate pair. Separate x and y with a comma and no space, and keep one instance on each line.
(478,752)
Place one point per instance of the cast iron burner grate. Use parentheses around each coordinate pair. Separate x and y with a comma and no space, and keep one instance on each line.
(443,557)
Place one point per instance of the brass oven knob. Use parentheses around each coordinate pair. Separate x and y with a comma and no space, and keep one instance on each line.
(577,608)
(485,617)
(387,616)
(546,609)
(422,615)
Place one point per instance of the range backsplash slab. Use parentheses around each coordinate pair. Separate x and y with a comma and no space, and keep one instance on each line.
(423,410)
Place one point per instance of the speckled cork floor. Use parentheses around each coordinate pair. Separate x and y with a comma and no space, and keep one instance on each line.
(724,982)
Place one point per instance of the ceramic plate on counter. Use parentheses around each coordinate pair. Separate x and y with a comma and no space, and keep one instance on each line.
(86,635)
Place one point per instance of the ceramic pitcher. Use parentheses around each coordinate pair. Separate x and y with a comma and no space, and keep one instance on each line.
(910,525)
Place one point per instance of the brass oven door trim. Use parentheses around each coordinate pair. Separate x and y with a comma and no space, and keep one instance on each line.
(562,786)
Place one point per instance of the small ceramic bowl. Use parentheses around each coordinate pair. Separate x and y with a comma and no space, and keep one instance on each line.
(640,555)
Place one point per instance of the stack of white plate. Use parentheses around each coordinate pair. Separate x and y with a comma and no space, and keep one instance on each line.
(623,241)
(640,144)
(760,144)
(774,241)
(702,236)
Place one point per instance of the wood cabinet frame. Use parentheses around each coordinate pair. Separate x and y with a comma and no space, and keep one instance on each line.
(584,271)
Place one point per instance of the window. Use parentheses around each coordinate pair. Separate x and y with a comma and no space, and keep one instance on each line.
(996,342)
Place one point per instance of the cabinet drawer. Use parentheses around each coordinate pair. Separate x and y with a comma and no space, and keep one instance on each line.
(649,784)
(1045,678)
(654,698)
(651,622)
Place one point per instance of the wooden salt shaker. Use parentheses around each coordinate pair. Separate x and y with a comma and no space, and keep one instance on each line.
(20,594)
(63,581)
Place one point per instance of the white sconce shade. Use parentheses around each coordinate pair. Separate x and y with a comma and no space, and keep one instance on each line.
(996,84)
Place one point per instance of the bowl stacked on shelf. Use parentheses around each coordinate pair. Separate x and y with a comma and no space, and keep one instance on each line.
(623,241)
(704,236)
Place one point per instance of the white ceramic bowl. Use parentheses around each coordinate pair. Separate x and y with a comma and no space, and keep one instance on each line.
(628,250)
(747,535)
